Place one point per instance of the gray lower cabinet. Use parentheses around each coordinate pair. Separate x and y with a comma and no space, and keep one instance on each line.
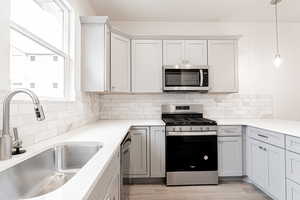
(157,146)
(230,160)
(139,152)
(147,153)
(230,151)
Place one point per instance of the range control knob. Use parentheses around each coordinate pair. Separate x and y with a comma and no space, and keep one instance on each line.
(205,157)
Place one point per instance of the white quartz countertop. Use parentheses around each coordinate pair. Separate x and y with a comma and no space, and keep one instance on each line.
(286,127)
(109,133)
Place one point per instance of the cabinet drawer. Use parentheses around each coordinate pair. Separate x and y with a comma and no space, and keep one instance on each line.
(270,137)
(293,166)
(229,130)
(293,144)
(293,191)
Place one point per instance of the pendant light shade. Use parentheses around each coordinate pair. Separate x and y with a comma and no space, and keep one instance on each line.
(277,60)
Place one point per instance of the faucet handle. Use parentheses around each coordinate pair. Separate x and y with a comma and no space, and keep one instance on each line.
(17,142)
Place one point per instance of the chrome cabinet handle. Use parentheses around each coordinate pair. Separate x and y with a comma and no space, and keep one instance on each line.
(263,136)
(262,148)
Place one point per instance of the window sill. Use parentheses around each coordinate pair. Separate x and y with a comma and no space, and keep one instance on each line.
(44,100)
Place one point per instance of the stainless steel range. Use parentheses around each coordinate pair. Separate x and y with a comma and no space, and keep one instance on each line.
(191,146)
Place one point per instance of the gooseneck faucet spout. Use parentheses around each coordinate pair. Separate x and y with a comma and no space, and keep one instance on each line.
(6,139)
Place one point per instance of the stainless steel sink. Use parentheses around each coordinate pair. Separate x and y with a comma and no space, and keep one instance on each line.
(46,171)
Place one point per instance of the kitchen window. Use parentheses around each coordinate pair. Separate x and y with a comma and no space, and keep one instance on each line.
(40,47)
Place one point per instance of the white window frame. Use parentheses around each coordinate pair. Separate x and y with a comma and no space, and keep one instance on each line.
(65,53)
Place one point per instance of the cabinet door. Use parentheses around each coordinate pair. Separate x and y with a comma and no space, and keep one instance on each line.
(95,53)
(259,163)
(293,166)
(230,156)
(276,172)
(173,52)
(157,146)
(222,61)
(115,193)
(147,66)
(120,63)
(293,190)
(196,52)
(139,152)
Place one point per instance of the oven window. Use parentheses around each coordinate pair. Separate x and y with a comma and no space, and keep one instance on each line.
(192,153)
(182,78)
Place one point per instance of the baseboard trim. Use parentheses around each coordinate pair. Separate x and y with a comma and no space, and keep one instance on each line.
(147,180)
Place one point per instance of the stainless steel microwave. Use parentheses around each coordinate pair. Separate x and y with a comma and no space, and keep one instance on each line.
(185,78)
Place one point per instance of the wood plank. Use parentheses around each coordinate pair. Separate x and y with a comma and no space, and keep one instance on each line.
(228,191)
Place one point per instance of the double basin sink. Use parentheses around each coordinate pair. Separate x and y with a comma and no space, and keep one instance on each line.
(46,171)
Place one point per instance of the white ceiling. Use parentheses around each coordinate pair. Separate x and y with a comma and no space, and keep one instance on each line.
(196,10)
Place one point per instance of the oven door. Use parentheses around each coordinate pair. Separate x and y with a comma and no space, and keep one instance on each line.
(185,78)
(191,153)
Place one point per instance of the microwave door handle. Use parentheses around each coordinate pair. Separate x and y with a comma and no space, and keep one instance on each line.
(201,78)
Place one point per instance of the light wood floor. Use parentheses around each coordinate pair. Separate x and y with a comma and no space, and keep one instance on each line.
(224,191)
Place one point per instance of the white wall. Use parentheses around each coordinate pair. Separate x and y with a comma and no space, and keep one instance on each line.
(4,45)
(256,50)
(60,116)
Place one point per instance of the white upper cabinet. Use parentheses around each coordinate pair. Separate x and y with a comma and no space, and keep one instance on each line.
(120,63)
(173,52)
(190,51)
(196,52)
(95,54)
(222,61)
(146,66)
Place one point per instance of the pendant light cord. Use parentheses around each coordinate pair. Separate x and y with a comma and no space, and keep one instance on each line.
(277,31)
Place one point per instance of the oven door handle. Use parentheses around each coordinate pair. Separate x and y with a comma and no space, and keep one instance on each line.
(201,78)
(202,133)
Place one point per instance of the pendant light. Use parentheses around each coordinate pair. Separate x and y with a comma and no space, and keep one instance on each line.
(277,60)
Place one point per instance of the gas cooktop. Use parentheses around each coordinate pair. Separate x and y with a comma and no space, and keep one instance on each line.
(187,120)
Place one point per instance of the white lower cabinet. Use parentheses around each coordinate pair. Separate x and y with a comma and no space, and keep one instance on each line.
(276,172)
(230,156)
(147,152)
(139,152)
(157,158)
(108,186)
(293,166)
(259,163)
(267,168)
(114,189)
(292,190)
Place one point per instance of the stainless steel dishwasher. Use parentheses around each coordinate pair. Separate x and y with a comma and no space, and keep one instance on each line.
(125,165)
